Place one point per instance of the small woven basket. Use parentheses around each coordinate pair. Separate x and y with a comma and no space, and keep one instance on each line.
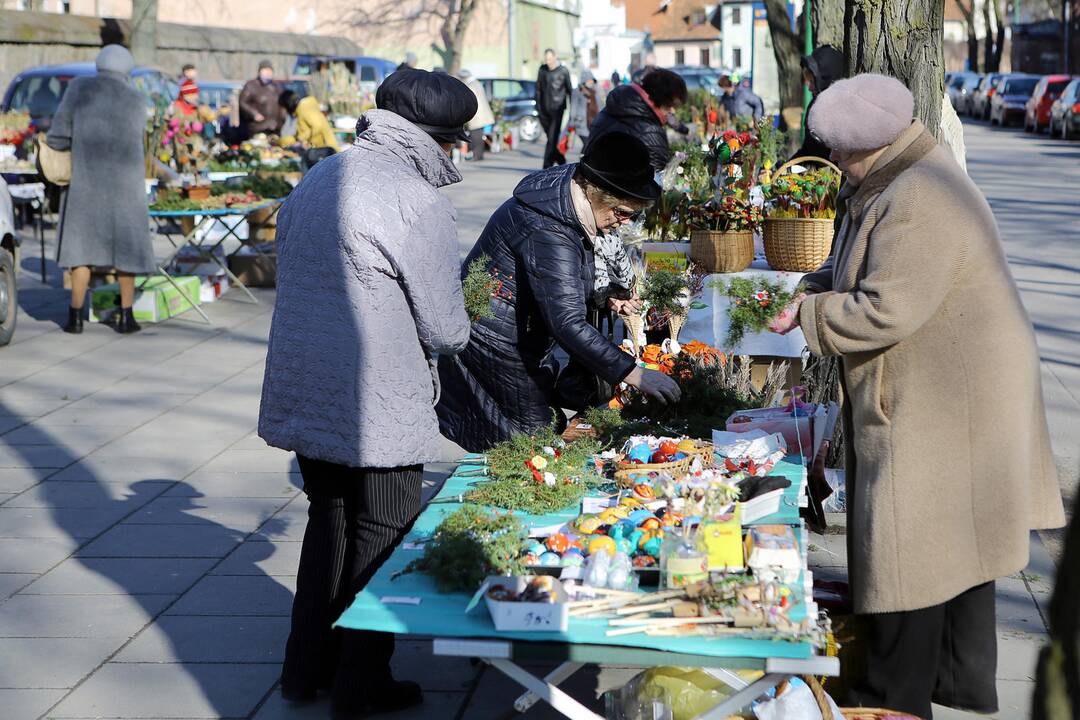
(722,252)
(798,244)
(625,472)
(635,330)
(675,325)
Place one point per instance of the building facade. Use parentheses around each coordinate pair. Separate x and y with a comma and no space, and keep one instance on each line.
(604,43)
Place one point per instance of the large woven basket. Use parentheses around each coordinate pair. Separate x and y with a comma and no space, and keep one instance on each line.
(798,244)
(722,252)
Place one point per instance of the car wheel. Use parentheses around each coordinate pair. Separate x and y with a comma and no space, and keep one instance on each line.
(1027,127)
(529,128)
(1065,134)
(9,297)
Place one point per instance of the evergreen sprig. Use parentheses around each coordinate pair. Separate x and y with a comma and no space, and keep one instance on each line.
(477,287)
(755,302)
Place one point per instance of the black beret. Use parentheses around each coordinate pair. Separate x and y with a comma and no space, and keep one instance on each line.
(619,163)
(437,103)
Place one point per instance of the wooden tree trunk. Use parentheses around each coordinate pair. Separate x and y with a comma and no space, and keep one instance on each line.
(999,37)
(144,15)
(827,17)
(788,52)
(988,47)
(901,38)
(972,39)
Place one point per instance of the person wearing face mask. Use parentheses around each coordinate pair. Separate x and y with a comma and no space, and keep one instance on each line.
(540,245)
(368,295)
(949,465)
(642,109)
(259,106)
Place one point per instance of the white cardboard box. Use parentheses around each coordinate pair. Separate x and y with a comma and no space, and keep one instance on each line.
(527,616)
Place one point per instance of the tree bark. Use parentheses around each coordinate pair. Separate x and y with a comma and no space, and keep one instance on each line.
(999,36)
(988,46)
(901,38)
(827,17)
(968,11)
(144,34)
(787,51)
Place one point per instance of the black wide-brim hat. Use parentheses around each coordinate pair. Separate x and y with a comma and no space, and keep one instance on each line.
(619,163)
(437,103)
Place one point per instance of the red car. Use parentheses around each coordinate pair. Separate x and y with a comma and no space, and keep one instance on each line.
(1037,109)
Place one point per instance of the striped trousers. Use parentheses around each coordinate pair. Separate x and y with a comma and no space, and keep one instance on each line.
(356,517)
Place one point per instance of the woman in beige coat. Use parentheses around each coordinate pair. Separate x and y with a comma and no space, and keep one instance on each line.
(949,465)
(483,118)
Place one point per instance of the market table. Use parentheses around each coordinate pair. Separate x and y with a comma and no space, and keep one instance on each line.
(411,604)
(191,238)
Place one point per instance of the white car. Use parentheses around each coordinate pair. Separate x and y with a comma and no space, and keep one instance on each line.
(9,258)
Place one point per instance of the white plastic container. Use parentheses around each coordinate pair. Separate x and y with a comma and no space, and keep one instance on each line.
(527,616)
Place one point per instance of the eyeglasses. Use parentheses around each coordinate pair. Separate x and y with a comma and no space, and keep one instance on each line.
(626,213)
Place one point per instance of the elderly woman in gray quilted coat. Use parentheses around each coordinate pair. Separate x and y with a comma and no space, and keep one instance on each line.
(368,294)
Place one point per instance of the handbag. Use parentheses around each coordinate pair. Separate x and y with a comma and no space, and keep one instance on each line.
(54,165)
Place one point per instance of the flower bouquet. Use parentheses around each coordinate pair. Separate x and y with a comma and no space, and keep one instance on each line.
(755,302)
(799,215)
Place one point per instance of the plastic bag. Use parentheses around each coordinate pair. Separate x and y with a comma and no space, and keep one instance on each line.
(664,693)
(795,703)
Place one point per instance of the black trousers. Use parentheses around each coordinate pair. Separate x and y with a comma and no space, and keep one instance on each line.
(356,517)
(553,127)
(476,143)
(945,654)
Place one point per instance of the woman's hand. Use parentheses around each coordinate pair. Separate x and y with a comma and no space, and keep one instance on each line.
(788,319)
(655,384)
(632,306)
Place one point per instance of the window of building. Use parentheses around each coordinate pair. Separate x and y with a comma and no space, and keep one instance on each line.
(698,17)
(736,57)
(680,57)
(705,57)
(736,16)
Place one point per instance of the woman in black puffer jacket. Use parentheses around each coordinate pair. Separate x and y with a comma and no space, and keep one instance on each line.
(642,111)
(540,242)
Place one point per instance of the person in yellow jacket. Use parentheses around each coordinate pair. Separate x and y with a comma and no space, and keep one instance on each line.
(312,128)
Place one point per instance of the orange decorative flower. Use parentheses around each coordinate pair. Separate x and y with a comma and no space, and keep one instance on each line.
(705,353)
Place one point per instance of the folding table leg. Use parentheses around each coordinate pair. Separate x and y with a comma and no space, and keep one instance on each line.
(560,701)
(185,295)
(555,677)
(742,698)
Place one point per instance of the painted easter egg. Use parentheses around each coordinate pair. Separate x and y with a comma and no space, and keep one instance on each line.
(550,559)
(641,453)
(601,543)
(558,543)
(668,447)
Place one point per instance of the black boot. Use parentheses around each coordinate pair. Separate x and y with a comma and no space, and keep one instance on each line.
(75,321)
(126,323)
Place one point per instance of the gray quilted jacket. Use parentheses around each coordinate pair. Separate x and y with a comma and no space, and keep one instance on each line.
(368,293)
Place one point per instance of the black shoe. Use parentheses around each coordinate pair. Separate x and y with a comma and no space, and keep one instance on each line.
(75,321)
(388,697)
(297,695)
(126,323)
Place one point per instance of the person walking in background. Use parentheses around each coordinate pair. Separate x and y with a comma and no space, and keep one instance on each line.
(740,101)
(917,301)
(584,108)
(820,70)
(642,111)
(189,72)
(105,221)
(368,293)
(259,106)
(553,88)
(484,116)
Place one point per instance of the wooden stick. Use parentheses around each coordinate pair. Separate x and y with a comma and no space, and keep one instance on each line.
(666,622)
(626,610)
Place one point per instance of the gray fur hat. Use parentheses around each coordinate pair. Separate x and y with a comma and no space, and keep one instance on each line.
(115,58)
(865,112)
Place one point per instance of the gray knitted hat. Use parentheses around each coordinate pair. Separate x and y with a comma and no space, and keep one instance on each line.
(865,112)
(115,58)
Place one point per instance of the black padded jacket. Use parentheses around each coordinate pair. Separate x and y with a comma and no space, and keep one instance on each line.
(505,381)
(626,111)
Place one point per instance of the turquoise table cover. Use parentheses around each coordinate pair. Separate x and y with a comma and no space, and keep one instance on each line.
(443,614)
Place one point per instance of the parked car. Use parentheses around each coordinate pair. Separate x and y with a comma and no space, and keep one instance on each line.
(954,87)
(1065,112)
(518,98)
(980,99)
(38,90)
(1037,109)
(9,262)
(698,77)
(370,71)
(218,94)
(1010,98)
(966,93)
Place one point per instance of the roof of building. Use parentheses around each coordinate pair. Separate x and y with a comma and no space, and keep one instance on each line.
(671,20)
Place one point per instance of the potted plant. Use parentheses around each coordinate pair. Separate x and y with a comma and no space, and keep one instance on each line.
(800,210)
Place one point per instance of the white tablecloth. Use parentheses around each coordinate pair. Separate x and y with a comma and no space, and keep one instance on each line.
(710,324)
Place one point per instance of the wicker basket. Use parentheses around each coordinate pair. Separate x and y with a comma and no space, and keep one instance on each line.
(798,244)
(722,252)
(625,472)
(675,325)
(859,713)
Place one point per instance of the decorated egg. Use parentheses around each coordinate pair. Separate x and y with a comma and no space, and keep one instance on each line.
(640,452)
(576,542)
(673,519)
(623,528)
(531,559)
(573,558)
(679,456)
(686,446)
(550,559)
(630,502)
(639,516)
(618,577)
(668,447)
(644,492)
(634,538)
(536,548)
(601,543)
(650,523)
(652,546)
(623,545)
(643,561)
(659,457)
(587,524)
(558,543)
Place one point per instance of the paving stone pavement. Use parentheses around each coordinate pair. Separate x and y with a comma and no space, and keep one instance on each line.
(149,539)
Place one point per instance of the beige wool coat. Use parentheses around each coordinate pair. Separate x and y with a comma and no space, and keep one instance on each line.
(949,464)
